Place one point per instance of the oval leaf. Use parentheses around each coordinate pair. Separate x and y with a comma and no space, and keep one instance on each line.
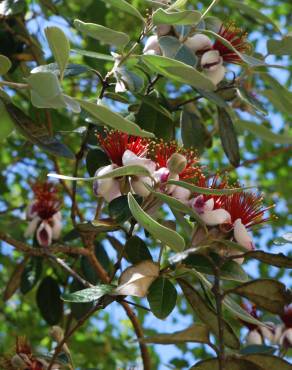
(136,250)
(5,65)
(7,125)
(266,361)
(124,6)
(162,233)
(230,364)
(185,17)
(119,209)
(88,295)
(31,274)
(162,297)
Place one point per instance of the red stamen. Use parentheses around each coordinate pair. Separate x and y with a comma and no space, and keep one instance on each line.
(237,38)
(161,152)
(46,202)
(115,143)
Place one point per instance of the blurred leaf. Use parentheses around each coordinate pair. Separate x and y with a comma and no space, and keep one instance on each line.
(78,310)
(230,364)
(15,279)
(207,314)
(95,159)
(197,333)
(136,250)
(37,133)
(162,297)
(70,70)
(88,295)
(162,233)
(254,348)
(12,7)
(45,84)
(280,47)
(60,47)
(101,33)
(266,361)
(161,16)
(5,65)
(119,209)
(88,270)
(228,137)
(178,71)
(279,260)
(250,99)
(263,133)
(173,48)
(7,125)
(48,300)
(93,54)
(124,6)
(113,120)
(31,274)
(268,294)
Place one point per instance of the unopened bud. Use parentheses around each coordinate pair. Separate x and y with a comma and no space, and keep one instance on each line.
(176,163)
(57,333)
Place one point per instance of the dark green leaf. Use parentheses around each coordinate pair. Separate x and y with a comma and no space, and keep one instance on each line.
(119,209)
(5,65)
(207,314)
(49,301)
(255,348)
(12,7)
(162,297)
(95,159)
(7,125)
(230,364)
(88,295)
(279,260)
(78,310)
(197,333)
(268,362)
(37,133)
(136,250)
(31,274)
(14,280)
(124,6)
(268,294)
(88,270)
(228,137)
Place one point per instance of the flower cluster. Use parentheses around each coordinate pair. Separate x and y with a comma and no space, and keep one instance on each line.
(233,214)
(44,215)
(23,358)
(277,334)
(211,55)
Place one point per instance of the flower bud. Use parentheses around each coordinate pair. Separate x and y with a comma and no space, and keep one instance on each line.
(254,337)
(152,46)
(211,59)
(176,163)
(198,42)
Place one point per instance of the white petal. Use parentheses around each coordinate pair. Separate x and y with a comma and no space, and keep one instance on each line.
(278,331)
(130,158)
(120,87)
(57,225)
(139,187)
(181,194)
(198,42)
(161,175)
(216,75)
(254,337)
(44,234)
(209,205)
(217,217)
(152,46)
(107,188)
(211,57)
(241,235)
(137,279)
(266,332)
(163,29)
(32,227)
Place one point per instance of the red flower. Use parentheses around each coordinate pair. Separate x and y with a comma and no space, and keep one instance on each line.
(237,39)
(287,316)
(246,206)
(46,202)
(115,143)
(213,183)
(162,151)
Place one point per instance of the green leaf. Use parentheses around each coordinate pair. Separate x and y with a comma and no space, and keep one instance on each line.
(279,260)
(208,191)
(88,295)
(266,361)
(37,133)
(119,209)
(97,226)
(249,99)
(70,70)
(31,274)
(93,54)
(176,205)
(280,47)
(178,4)
(88,269)
(228,137)
(101,33)
(268,294)
(7,125)
(191,17)
(193,132)
(207,314)
(5,65)
(49,301)
(178,71)
(284,239)
(254,14)
(45,84)
(197,333)
(15,280)
(125,7)
(162,297)
(78,310)
(113,120)
(256,349)
(162,233)
(230,364)
(95,159)
(129,170)
(60,47)
(263,133)
(173,48)
(136,250)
